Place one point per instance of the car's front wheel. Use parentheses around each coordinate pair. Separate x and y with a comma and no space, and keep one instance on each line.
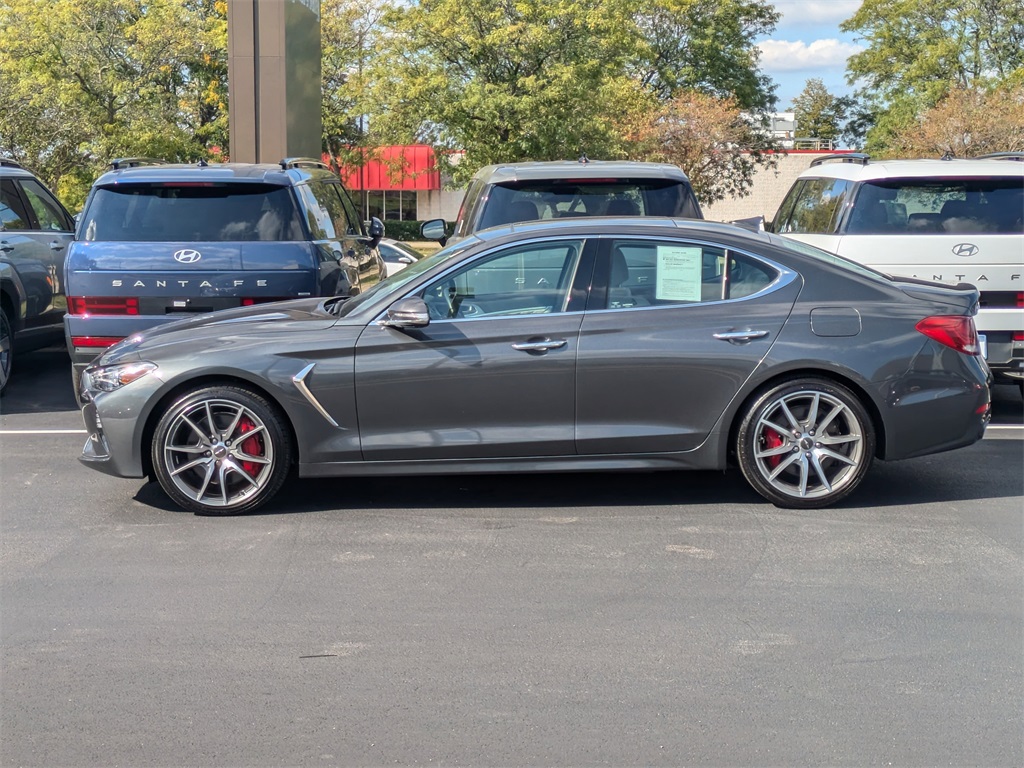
(221,450)
(805,443)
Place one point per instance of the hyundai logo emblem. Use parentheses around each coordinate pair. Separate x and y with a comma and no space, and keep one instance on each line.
(965,249)
(187,256)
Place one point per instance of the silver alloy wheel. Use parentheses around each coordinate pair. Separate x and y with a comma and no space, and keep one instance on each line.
(808,444)
(218,452)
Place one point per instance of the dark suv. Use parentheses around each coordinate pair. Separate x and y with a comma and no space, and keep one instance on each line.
(35,230)
(158,242)
(514,192)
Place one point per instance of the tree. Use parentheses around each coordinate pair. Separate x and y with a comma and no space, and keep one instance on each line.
(88,80)
(348,37)
(920,50)
(968,123)
(819,114)
(498,81)
(718,146)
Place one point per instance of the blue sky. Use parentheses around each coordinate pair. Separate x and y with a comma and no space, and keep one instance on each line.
(807,43)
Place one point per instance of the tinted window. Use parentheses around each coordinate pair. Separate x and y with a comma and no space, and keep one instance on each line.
(947,206)
(12,211)
(643,273)
(813,207)
(532,200)
(525,280)
(326,213)
(205,212)
(48,211)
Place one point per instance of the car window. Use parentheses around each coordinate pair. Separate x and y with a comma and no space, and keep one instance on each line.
(12,211)
(203,212)
(48,211)
(325,211)
(947,206)
(524,280)
(813,207)
(646,273)
(567,198)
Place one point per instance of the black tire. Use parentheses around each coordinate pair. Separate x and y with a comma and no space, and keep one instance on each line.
(232,468)
(6,351)
(805,443)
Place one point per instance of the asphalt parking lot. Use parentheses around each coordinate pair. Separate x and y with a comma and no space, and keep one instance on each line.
(648,619)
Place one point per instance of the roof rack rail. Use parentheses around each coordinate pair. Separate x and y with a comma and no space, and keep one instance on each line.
(845,157)
(303,162)
(131,162)
(10,162)
(1018,156)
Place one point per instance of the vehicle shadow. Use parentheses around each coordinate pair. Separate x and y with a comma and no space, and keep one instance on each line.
(40,383)
(974,473)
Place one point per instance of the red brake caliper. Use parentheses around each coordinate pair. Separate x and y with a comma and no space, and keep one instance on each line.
(772,439)
(251,445)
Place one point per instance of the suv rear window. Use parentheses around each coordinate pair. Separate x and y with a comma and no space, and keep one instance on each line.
(949,206)
(555,199)
(192,212)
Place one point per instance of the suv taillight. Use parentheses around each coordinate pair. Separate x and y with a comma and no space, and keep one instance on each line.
(955,331)
(102,305)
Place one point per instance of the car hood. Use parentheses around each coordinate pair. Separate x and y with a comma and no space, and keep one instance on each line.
(253,323)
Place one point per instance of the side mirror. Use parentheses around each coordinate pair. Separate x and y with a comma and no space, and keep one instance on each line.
(375,231)
(407,313)
(406,260)
(434,230)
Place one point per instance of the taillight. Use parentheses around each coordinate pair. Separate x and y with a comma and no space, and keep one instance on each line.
(95,341)
(1018,335)
(248,301)
(955,331)
(103,305)
(1020,299)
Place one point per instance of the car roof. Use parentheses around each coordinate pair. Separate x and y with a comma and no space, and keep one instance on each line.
(574,169)
(907,169)
(626,225)
(266,173)
(12,168)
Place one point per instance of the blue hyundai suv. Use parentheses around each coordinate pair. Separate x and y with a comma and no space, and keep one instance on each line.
(158,242)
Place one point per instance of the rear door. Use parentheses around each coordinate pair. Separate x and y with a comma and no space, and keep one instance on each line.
(670,339)
(494,373)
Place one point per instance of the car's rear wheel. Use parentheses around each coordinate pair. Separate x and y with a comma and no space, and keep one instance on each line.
(221,450)
(6,350)
(805,443)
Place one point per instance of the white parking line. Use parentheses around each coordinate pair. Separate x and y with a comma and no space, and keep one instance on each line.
(42,431)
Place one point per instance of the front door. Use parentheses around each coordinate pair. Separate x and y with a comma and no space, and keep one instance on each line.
(494,373)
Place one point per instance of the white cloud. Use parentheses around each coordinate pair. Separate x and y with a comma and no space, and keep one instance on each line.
(789,56)
(803,12)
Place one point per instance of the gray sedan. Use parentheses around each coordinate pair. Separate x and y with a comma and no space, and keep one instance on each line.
(574,345)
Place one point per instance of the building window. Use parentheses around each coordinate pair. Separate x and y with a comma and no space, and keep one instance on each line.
(396,205)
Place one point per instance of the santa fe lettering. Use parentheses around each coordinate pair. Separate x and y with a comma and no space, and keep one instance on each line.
(182,283)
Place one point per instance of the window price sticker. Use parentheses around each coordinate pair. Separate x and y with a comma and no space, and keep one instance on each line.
(679,273)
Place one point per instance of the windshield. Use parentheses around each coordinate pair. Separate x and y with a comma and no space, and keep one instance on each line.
(397,281)
(569,198)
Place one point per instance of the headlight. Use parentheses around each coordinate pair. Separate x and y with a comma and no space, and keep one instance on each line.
(110,377)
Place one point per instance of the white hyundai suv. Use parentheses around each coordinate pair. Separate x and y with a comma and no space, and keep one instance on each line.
(948,220)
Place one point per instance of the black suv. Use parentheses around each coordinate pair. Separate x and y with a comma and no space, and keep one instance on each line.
(515,192)
(35,230)
(158,242)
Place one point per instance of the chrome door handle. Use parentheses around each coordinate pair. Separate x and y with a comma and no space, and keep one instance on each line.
(56,245)
(5,247)
(539,346)
(738,336)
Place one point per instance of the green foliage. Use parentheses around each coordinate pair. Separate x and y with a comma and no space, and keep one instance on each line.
(819,114)
(83,81)
(920,50)
(402,230)
(548,79)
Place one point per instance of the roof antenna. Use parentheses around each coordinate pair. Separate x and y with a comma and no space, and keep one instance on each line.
(948,155)
(584,158)
(202,163)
